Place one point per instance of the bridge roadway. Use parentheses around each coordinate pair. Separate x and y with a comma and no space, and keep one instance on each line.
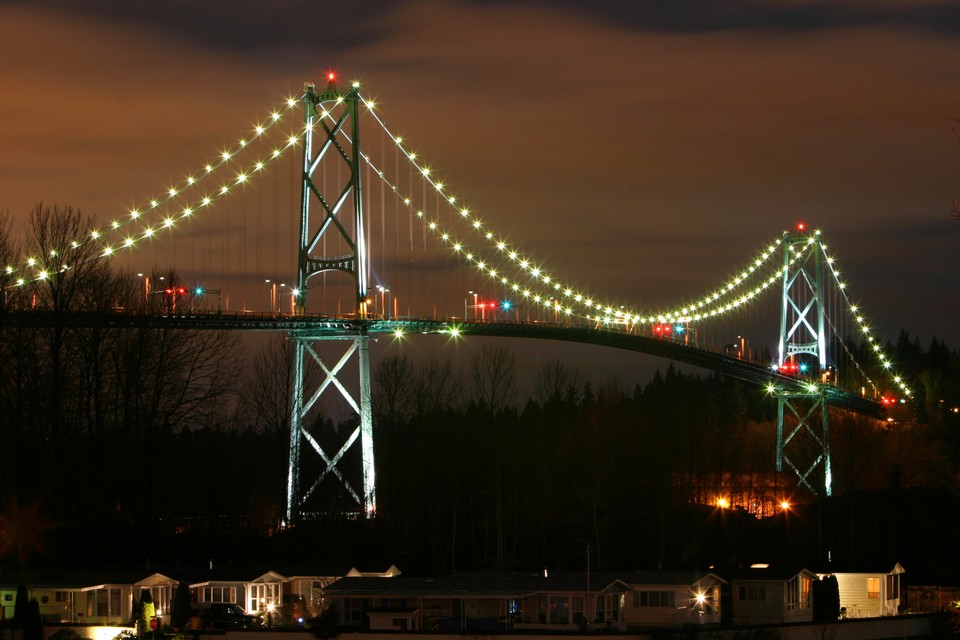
(339,327)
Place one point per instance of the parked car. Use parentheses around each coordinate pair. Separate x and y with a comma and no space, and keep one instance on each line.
(224,615)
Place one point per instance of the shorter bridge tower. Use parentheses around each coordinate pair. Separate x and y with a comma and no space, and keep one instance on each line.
(331,215)
(803,426)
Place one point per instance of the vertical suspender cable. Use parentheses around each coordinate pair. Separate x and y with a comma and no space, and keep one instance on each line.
(383,215)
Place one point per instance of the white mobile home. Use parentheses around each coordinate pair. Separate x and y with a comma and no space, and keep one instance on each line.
(868,593)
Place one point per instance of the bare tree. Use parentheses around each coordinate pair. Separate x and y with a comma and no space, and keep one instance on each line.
(9,292)
(267,400)
(494,373)
(557,381)
(66,277)
(394,390)
(436,388)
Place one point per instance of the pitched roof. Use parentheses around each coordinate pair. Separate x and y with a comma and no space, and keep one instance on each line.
(516,584)
(772,573)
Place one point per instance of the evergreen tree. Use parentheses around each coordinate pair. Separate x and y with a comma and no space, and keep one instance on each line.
(181,609)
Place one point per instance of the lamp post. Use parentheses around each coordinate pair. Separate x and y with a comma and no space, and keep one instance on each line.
(274,309)
(146,285)
(476,295)
(384,301)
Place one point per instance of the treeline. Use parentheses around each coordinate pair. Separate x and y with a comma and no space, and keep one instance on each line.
(632,474)
(88,416)
(139,444)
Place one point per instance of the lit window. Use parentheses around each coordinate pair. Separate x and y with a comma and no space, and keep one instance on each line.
(753,593)
(873,588)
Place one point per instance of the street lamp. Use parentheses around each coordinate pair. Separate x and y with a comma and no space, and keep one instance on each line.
(384,301)
(146,285)
(275,289)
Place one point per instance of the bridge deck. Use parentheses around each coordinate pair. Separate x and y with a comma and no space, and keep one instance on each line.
(333,327)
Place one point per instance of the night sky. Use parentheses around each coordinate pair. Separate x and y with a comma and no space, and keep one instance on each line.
(644,149)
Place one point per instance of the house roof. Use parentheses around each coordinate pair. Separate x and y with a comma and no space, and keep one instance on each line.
(91,578)
(73,578)
(507,584)
(669,578)
(873,568)
(771,573)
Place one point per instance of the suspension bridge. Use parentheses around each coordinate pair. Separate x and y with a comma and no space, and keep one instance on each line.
(322,223)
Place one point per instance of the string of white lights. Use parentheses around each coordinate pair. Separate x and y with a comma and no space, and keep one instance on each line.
(864,328)
(718,302)
(156,205)
(709,306)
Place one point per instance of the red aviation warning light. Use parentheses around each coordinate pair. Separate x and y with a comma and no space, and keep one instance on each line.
(801,226)
(331,77)
(789,368)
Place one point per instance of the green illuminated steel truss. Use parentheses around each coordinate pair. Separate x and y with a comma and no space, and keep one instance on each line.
(332,118)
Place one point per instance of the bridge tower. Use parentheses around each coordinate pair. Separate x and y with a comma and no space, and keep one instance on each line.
(332,213)
(802,417)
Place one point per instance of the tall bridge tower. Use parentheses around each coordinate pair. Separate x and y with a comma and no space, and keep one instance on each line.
(802,417)
(335,214)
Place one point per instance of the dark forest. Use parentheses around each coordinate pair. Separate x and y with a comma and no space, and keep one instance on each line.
(126,446)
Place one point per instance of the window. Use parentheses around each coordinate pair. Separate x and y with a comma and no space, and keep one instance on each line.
(103,603)
(218,594)
(263,595)
(873,588)
(161,599)
(798,593)
(653,599)
(753,593)
(355,607)
(559,610)
(576,606)
(893,587)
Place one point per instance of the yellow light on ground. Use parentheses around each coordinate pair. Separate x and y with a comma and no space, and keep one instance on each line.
(723,503)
